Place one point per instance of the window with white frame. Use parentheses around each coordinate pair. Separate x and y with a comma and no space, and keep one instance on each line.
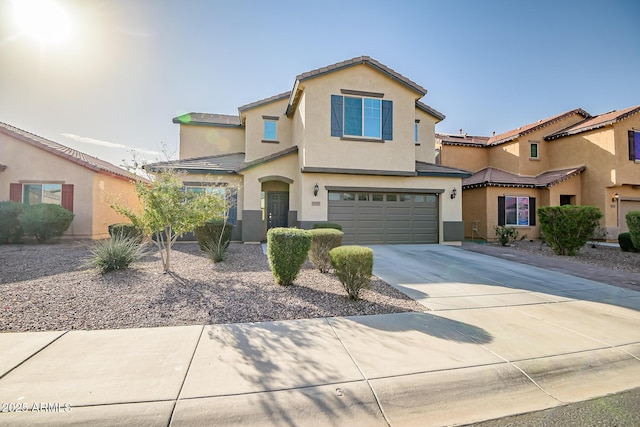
(361,117)
(516,210)
(634,145)
(33,194)
(270,133)
(415,133)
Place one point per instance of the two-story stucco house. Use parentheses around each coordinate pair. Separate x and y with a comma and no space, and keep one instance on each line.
(350,144)
(571,158)
(36,170)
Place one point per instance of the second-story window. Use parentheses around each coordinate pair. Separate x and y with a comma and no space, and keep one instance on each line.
(270,133)
(415,133)
(361,117)
(533,150)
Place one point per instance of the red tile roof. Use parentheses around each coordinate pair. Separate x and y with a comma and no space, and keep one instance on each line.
(492,177)
(523,130)
(596,122)
(462,139)
(75,156)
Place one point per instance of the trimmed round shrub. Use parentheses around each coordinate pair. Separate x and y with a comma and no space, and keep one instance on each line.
(633,223)
(209,233)
(287,250)
(125,229)
(327,225)
(116,253)
(568,228)
(45,221)
(322,241)
(624,240)
(353,265)
(10,229)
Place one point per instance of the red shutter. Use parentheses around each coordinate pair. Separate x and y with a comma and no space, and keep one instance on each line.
(15,192)
(67,197)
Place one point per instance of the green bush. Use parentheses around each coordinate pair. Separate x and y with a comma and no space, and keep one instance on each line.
(10,229)
(506,235)
(354,266)
(322,241)
(327,225)
(125,229)
(624,240)
(568,228)
(287,250)
(216,250)
(211,232)
(633,223)
(116,253)
(45,221)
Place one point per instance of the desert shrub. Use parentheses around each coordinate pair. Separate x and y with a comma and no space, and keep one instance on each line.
(125,229)
(45,221)
(215,230)
(633,223)
(506,235)
(322,241)
(116,253)
(287,250)
(624,240)
(353,266)
(216,250)
(10,229)
(327,225)
(568,228)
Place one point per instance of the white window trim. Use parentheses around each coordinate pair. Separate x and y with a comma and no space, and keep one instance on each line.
(344,119)
(42,184)
(537,144)
(528,211)
(264,135)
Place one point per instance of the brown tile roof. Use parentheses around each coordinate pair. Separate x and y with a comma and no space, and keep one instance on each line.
(431,169)
(269,158)
(596,122)
(492,177)
(523,130)
(208,119)
(462,139)
(363,60)
(429,110)
(265,101)
(75,156)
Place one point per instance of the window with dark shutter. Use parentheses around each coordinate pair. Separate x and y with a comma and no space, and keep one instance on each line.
(500,210)
(336,115)
(15,192)
(532,211)
(67,197)
(387,120)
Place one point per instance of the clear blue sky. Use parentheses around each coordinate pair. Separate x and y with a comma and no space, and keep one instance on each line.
(128,67)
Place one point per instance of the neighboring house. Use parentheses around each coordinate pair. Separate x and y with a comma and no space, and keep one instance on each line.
(350,144)
(36,170)
(572,158)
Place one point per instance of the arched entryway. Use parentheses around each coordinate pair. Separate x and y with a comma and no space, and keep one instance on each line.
(274,202)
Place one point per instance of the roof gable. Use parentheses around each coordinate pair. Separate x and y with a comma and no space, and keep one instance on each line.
(532,127)
(596,122)
(493,177)
(93,163)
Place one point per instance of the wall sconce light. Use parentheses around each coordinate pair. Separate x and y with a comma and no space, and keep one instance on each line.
(615,197)
(316,189)
(453,193)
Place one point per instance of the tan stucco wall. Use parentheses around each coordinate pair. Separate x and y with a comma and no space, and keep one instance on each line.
(29,164)
(467,158)
(199,140)
(110,190)
(425,151)
(254,125)
(285,167)
(320,149)
(474,211)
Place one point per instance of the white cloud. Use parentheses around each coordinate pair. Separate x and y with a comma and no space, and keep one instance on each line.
(101,143)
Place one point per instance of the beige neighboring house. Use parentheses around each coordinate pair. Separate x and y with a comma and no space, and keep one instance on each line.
(351,144)
(36,170)
(572,158)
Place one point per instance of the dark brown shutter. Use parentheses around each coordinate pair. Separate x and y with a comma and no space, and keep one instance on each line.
(500,210)
(532,211)
(67,197)
(632,146)
(15,192)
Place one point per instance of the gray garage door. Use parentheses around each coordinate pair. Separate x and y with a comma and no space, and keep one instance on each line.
(370,218)
(627,206)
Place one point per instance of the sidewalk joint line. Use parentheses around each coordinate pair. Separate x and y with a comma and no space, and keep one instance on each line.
(32,356)
(186,373)
(375,395)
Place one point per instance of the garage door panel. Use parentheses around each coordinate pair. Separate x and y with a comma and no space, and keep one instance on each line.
(372,222)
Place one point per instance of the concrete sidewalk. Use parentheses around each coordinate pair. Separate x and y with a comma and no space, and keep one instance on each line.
(501,338)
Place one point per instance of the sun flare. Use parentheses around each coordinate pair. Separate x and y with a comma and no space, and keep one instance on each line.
(44,20)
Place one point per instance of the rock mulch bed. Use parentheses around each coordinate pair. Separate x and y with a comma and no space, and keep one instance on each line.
(46,287)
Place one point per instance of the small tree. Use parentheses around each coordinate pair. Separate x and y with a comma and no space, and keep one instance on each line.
(169,212)
(568,228)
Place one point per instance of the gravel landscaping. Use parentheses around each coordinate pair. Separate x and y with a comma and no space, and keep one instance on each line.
(46,287)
